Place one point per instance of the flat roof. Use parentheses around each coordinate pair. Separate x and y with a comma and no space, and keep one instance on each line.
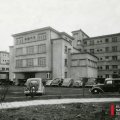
(102,36)
(67,34)
(4,52)
(81,31)
(31,31)
(85,53)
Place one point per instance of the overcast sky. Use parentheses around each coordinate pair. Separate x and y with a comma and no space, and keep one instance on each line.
(94,17)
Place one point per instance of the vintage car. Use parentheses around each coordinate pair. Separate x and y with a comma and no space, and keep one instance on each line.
(67,82)
(49,82)
(110,85)
(57,82)
(34,86)
(77,83)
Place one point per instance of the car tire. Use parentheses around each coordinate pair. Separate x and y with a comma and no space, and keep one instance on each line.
(95,91)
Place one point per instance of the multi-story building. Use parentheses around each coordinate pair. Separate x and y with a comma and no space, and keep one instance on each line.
(4,64)
(107,49)
(43,53)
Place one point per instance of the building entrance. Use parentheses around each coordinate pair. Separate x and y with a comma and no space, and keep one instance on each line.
(29,75)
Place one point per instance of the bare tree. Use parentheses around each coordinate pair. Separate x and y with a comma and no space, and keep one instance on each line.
(4,87)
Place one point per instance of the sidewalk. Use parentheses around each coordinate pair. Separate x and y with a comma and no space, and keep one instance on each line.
(55,101)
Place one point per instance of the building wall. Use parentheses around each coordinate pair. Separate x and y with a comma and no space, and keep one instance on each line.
(83,65)
(78,35)
(24,55)
(12,63)
(61,49)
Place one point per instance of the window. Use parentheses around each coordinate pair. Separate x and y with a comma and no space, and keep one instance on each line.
(30,62)
(3,69)
(65,49)
(107,49)
(114,57)
(114,39)
(30,50)
(85,42)
(78,42)
(42,48)
(18,63)
(19,40)
(42,62)
(106,40)
(7,68)
(91,50)
(109,82)
(19,51)
(65,74)
(107,67)
(42,36)
(114,48)
(65,62)
(100,67)
(106,57)
(114,66)
(48,75)
(91,42)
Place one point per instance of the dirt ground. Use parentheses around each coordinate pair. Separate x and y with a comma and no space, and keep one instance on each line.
(88,111)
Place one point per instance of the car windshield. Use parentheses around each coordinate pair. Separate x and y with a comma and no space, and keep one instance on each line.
(56,81)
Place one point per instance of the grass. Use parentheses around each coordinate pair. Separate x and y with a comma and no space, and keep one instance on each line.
(88,111)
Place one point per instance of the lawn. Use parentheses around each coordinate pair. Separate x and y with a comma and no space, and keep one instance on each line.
(78,111)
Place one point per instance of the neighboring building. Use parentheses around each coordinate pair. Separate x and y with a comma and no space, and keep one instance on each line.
(107,49)
(42,53)
(4,64)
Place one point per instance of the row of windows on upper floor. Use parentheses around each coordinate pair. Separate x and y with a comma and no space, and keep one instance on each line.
(31,62)
(31,38)
(31,50)
(105,40)
(108,67)
(109,58)
(5,55)
(84,63)
(105,49)
(4,69)
(105,76)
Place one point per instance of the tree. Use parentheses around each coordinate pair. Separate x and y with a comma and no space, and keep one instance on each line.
(4,87)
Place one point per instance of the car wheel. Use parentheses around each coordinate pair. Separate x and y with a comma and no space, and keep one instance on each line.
(95,91)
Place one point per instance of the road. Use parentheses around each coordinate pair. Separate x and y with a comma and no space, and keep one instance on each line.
(16,93)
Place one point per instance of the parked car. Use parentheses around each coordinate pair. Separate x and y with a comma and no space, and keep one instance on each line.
(57,82)
(67,82)
(34,86)
(77,83)
(110,85)
(49,82)
(90,82)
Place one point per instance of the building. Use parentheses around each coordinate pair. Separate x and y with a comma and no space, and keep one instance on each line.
(42,53)
(4,65)
(107,49)
(83,65)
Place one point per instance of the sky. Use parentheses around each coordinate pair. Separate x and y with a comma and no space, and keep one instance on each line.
(94,17)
